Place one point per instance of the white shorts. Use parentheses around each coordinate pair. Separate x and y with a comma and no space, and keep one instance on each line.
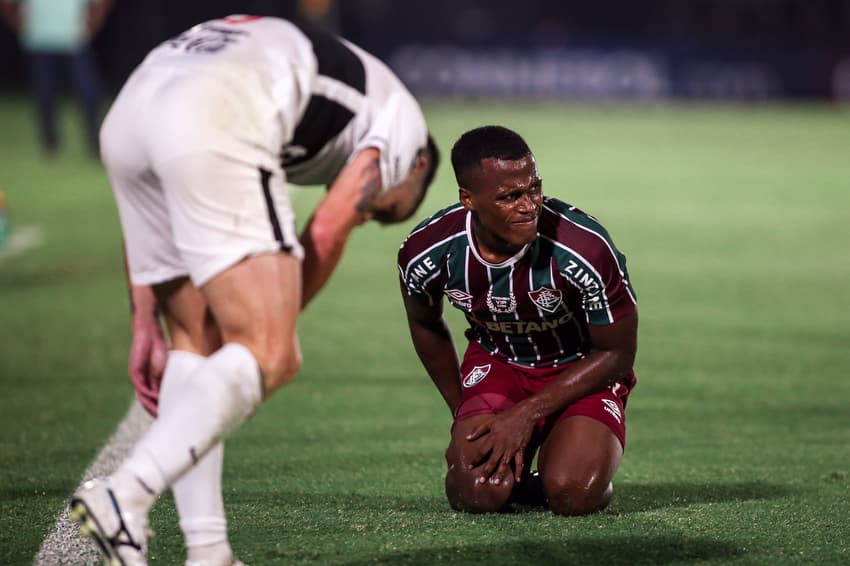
(193,163)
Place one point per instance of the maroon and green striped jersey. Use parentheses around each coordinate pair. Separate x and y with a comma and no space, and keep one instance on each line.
(533,309)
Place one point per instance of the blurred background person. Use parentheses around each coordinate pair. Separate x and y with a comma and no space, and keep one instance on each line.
(323,13)
(55,36)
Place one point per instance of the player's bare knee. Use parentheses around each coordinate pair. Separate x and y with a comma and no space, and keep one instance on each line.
(573,496)
(279,368)
(465,494)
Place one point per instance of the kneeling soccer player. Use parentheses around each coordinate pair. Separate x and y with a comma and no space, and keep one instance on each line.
(552,334)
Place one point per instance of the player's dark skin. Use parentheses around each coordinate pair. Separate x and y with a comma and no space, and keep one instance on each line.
(489,455)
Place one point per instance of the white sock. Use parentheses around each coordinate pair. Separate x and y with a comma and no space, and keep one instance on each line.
(217,397)
(199,501)
(198,492)
(218,554)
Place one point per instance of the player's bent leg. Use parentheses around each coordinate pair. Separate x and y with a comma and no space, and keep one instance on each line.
(221,394)
(197,494)
(577,462)
(191,326)
(462,488)
(256,303)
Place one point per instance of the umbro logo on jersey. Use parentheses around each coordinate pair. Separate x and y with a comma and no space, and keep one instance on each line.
(476,375)
(547,299)
(459,298)
(612,408)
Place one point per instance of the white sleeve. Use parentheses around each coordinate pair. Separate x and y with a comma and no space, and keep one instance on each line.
(399,133)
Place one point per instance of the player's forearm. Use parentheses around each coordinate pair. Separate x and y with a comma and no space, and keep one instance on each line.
(594,373)
(436,350)
(142,299)
(143,302)
(610,359)
(324,237)
(322,252)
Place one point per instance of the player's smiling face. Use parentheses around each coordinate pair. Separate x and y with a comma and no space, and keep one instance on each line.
(506,197)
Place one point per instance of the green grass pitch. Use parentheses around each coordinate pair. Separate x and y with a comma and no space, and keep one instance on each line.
(735,223)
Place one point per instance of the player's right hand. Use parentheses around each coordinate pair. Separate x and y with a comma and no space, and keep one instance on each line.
(506,436)
(148,355)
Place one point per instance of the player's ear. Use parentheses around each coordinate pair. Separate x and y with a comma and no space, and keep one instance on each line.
(465,198)
(421,161)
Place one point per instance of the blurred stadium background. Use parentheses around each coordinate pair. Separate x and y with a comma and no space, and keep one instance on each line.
(709,136)
(656,49)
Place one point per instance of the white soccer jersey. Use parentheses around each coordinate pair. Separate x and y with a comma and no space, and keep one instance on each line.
(330,97)
(201,141)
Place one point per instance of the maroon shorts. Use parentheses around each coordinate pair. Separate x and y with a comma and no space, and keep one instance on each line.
(490,386)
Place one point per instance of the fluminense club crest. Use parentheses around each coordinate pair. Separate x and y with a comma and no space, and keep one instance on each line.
(547,299)
(476,375)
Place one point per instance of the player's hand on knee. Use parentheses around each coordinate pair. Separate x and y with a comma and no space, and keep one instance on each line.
(479,453)
(494,468)
(487,458)
(508,434)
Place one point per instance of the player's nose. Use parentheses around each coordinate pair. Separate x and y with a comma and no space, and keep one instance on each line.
(526,204)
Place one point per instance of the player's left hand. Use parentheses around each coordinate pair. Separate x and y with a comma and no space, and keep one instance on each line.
(148,356)
(501,441)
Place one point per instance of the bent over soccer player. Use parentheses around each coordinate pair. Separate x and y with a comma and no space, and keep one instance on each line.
(199,146)
(552,334)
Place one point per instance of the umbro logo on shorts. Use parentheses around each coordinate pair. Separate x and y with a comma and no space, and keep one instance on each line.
(477,374)
(612,409)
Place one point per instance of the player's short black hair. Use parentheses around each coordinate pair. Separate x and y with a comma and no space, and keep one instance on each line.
(482,143)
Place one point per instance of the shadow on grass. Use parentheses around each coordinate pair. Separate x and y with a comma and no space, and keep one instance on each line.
(613,550)
(425,517)
(351,502)
(628,498)
(635,498)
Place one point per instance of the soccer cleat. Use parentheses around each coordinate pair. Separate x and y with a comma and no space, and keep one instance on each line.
(120,535)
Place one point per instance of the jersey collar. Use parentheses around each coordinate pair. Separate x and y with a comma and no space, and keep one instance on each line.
(472,246)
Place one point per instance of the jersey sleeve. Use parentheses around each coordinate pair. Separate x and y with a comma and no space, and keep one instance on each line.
(590,263)
(422,265)
(618,298)
(420,273)
(399,132)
